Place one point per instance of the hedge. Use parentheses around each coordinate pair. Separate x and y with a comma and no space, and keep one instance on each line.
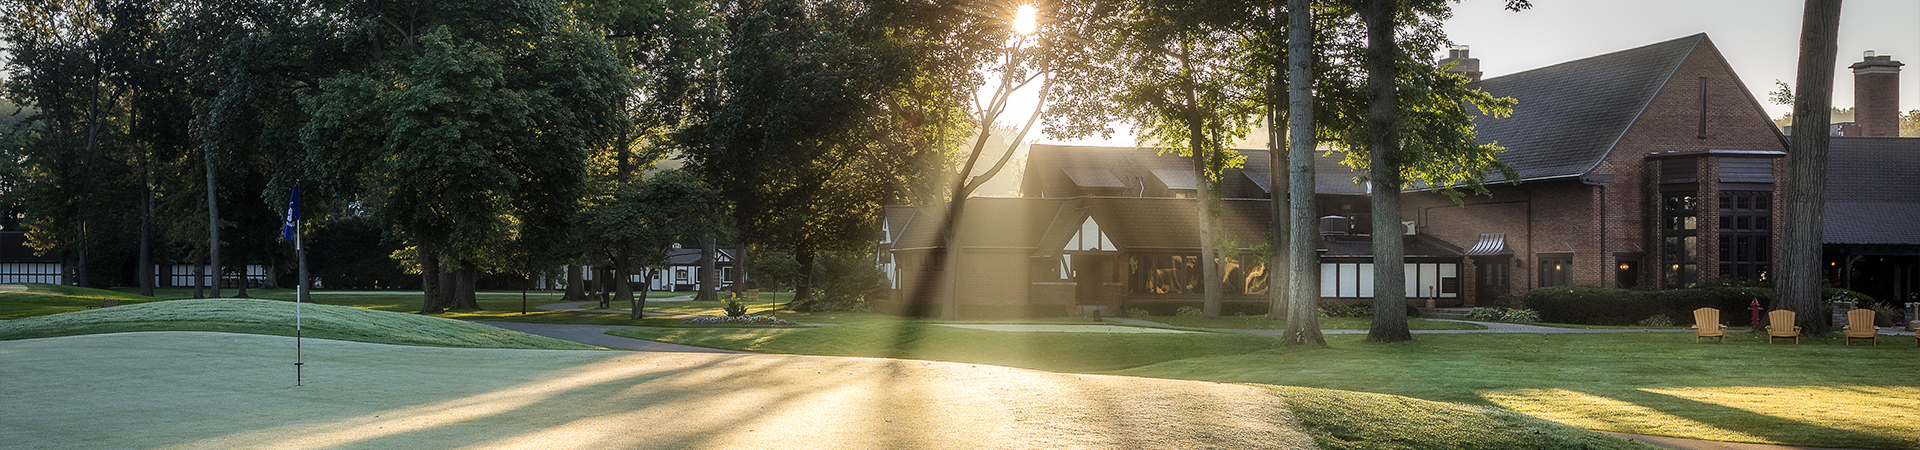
(1600,306)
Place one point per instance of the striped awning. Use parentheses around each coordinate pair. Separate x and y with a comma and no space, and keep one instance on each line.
(1490,244)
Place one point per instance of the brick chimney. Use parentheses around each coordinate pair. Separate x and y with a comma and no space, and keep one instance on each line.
(1876,95)
(1461,64)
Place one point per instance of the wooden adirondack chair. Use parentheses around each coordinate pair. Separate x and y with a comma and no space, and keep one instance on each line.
(1860,326)
(1706,323)
(1780,325)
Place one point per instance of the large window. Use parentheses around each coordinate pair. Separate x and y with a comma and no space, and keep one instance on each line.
(1746,235)
(1679,215)
(1181,274)
(1556,269)
(1355,280)
(1164,274)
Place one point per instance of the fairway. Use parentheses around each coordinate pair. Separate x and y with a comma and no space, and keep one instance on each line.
(218,390)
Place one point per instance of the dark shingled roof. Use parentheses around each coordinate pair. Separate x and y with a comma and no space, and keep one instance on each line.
(1057,169)
(990,222)
(1571,114)
(1873,191)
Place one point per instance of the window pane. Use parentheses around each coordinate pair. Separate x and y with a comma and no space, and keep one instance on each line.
(1329,280)
(1366,280)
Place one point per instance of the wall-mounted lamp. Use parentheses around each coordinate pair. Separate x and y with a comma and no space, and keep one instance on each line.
(1516,263)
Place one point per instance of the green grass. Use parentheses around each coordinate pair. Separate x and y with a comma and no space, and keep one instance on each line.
(1326,323)
(268,317)
(1339,420)
(44,299)
(910,339)
(1818,393)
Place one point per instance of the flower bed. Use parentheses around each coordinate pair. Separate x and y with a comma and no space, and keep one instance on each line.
(740,320)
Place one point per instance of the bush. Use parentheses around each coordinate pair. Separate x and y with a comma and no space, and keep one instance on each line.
(1345,310)
(1658,320)
(848,282)
(1503,315)
(1188,311)
(1172,307)
(1137,314)
(1598,306)
(734,308)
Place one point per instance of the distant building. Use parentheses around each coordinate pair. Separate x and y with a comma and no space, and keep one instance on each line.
(1650,167)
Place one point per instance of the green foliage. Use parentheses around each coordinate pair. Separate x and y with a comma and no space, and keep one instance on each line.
(1503,315)
(1187,311)
(1597,306)
(1657,320)
(1345,310)
(772,269)
(734,308)
(1137,314)
(850,280)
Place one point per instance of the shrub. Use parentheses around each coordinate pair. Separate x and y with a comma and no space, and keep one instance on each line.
(1599,306)
(1137,313)
(1345,310)
(848,282)
(1188,311)
(1657,320)
(1172,307)
(1486,314)
(734,308)
(1503,315)
(1521,316)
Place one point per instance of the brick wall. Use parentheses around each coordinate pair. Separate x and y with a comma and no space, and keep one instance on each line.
(1570,216)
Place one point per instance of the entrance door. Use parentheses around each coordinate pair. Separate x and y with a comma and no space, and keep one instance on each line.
(1090,277)
(1495,274)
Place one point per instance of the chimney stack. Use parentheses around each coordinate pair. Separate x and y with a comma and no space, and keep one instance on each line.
(1876,94)
(1458,62)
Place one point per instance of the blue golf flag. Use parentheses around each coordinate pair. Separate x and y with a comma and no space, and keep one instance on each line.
(293,216)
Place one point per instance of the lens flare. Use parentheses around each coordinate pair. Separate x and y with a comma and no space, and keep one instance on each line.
(1023,20)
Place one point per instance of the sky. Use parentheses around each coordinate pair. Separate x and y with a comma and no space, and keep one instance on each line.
(1759,38)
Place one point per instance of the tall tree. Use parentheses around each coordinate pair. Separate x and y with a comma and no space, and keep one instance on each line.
(466,123)
(821,111)
(1301,259)
(1170,68)
(1806,184)
(646,219)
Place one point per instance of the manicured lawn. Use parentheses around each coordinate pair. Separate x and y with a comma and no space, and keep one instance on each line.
(43,299)
(268,317)
(1326,323)
(1340,420)
(1818,393)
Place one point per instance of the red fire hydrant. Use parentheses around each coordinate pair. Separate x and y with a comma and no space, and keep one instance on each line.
(1756,313)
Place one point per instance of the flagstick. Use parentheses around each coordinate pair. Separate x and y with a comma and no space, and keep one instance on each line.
(300,294)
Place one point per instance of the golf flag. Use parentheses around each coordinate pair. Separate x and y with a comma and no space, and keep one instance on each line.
(290,232)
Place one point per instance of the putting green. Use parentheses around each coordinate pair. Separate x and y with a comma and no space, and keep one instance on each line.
(218,390)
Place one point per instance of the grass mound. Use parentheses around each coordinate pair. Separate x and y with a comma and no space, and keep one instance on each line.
(270,317)
(36,299)
(1358,420)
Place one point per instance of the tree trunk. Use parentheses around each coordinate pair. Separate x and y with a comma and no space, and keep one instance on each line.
(1806,183)
(709,273)
(465,277)
(199,279)
(1281,228)
(213,225)
(622,289)
(1203,191)
(804,290)
(639,303)
(1383,144)
(603,277)
(576,283)
(429,278)
(740,265)
(145,272)
(1303,262)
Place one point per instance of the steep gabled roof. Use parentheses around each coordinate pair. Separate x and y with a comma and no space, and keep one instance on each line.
(1873,191)
(990,222)
(1571,114)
